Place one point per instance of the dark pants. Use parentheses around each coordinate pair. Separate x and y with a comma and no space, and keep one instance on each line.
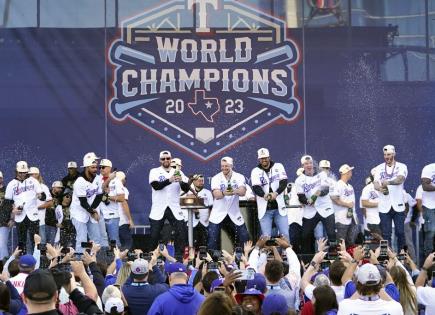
(67,234)
(375,228)
(27,226)
(238,233)
(200,235)
(347,232)
(399,227)
(308,226)
(125,236)
(178,225)
(295,232)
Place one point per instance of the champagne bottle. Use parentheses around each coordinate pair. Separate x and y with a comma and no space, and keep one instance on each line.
(286,200)
(313,199)
(349,213)
(229,187)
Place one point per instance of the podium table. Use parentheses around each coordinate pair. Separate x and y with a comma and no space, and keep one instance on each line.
(190,213)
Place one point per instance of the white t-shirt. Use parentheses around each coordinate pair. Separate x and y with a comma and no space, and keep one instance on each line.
(18,281)
(113,209)
(41,212)
(339,292)
(428,197)
(25,193)
(369,193)
(394,198)
(426,296)
(309,185)
(83,188)
(169,196)
(346,193)
(378,307)
(295,215)
(204,214)
(266,180)
(123,218)
(228,204)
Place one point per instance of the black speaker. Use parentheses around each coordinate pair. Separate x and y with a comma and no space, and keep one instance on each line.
(143,242)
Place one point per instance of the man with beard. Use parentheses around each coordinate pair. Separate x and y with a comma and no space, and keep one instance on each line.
(227,187)
(166,184)
(313,193)
(269,181)
(87,195)
(70,178)
(388,180)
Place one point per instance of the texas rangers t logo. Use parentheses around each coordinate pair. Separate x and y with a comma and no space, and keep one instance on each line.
(204,74)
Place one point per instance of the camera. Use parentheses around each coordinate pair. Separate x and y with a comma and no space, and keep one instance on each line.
(216,255)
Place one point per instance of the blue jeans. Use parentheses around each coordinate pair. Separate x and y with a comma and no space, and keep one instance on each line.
(82,231)
(50,234)
(399,227)
(239,234)
(281,223)
(429,230)
(104,241)
(4,238)
(42,234)
(112,228)
(125,236)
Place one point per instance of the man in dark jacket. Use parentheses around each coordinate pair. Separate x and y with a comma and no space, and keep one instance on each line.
(181,298)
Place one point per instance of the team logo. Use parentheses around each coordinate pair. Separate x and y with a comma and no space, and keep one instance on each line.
(204,74)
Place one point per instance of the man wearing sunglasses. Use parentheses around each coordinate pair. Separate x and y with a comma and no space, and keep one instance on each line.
(166,184)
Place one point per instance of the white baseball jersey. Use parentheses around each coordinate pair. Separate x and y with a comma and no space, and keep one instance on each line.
(123,218)
(169,196)
(228,205)
(113,209)
(83,188)
(394,199)
(369,193)
(346,193)
(295,215)
(24,193)
(308,185)
(204,214)
(267,180)
(41,212)
(428,197)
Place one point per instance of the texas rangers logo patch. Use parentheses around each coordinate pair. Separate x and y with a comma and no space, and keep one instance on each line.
(204,74)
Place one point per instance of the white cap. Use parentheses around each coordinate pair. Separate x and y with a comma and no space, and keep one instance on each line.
(177,162)
(300,171)
(93,155)
(57,184)
(139,267)
(306,158)
(120,175)
(22,167)
(105,162)
(89,160)
(325,164)
(33,170)
(227,159)
(1,175)
(368,180)
(345,168)
(163,153)
(72,164)
(389,149)
(263,153)
(114,302)
(368,274)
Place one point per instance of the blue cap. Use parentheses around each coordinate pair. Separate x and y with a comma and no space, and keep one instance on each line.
(274,303)
(27,261)
(175,267)
(216,283)
(259,283)
(239,296)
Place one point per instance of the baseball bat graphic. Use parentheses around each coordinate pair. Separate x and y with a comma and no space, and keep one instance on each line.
(131,56)
(119,109)
(281,54)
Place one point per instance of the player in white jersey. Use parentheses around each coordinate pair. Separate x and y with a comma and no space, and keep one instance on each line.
(269,181)
(87,195)
(23,193)
(388,180)
(313,193)
(343,197)
(295,216)
(227,187)
(428,202)
(166,184)
(369,207)
(125,219)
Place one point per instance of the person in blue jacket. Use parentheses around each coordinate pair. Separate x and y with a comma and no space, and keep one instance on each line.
(181,298)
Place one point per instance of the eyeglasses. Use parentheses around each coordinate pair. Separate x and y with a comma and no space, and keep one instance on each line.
(102,167)
(167,159)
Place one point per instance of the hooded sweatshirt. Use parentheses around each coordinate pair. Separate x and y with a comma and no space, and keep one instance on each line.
(180,299)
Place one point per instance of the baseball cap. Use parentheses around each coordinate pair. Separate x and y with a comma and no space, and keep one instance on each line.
(263,153)
(72,164)
(274,303)
(216,283)
(389,149)
(259,283)
(368,274)
(227,159)
(57,184)
(33,170)
(306,158)
(163,153)
(22,167)
(120,175)
(106,162)
(177,162)
(239,296)
(89,160)
(27,261)
(325,164)
(40,285)
(175,267)
(139,268)
(92,155)
(114,302)
(345,168)
(321,279)
(299,171)
(1,174)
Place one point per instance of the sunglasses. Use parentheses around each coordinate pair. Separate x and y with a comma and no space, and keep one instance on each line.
(102,167)
(167,159)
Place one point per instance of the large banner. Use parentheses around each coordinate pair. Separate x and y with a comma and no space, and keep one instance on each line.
(204,79)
